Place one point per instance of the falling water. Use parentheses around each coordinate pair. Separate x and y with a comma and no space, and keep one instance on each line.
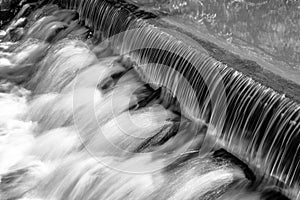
(210,87)
(96,114)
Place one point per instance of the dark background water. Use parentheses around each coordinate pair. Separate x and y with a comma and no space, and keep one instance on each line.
(7,10)
(267,28)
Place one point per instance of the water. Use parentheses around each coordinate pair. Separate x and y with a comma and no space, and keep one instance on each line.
(80,122)
(268,29)
(246,118)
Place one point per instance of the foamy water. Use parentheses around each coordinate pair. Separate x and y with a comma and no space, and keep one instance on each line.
(85,127)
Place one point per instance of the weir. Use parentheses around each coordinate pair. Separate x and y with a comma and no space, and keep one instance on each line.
(255,123)
(243,110)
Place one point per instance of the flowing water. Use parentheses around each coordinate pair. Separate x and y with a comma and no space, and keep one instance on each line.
(84,117)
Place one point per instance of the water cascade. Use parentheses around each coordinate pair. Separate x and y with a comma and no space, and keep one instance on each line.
(106,100)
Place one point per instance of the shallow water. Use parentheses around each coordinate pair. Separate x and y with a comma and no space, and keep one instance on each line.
(267,28)
(77,123)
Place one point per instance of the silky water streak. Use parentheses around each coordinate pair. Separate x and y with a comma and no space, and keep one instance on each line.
(251,121)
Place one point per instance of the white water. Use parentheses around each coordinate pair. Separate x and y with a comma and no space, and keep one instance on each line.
(71,136)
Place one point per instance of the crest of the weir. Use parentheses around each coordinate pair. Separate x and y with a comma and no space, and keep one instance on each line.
(252,121)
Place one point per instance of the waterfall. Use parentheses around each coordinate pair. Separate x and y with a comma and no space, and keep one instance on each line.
(252,121)
(115,104)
